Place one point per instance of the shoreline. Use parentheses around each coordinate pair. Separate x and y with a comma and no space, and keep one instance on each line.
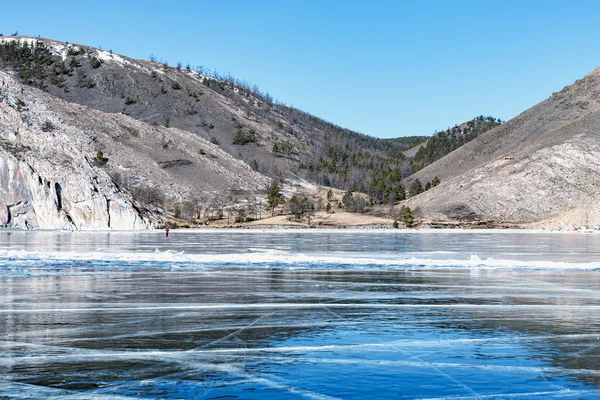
(300,229)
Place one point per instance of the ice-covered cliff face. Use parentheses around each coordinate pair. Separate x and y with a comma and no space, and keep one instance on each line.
(47,178)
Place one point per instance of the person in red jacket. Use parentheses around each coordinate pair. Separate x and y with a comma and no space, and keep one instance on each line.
(167,232)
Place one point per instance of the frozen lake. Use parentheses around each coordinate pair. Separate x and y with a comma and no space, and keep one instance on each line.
(299,314)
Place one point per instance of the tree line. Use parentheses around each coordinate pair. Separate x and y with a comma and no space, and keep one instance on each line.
(447,141)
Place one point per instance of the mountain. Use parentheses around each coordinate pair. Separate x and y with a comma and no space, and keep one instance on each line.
(106,134)
(92,139)
(275,140)
(540,169)
(68,166)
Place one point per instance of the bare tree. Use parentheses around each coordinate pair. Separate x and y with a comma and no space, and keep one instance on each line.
(240,213)
(199,205)
(189,208)
(253,205)
(218,203)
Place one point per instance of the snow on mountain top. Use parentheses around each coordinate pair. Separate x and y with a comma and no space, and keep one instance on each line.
(106,56)
(29,41)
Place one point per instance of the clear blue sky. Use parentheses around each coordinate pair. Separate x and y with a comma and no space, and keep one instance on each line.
(384,68)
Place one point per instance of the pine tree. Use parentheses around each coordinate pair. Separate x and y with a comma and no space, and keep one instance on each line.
(274,198)
(416,187)
(407,218)
(329,195)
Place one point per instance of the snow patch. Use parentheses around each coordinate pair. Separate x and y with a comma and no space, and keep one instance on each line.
(108,57)
(29,41)
(57,49)
(301,183)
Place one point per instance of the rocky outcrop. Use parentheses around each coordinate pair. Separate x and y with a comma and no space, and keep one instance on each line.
(67,166)
(35,194)
(46,178)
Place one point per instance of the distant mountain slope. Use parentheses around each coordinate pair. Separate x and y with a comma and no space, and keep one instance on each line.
(410,153)
(447,141)
(541,166)
(562,108)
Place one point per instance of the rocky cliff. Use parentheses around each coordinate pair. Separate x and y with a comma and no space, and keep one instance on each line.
(47,180)
(59,162)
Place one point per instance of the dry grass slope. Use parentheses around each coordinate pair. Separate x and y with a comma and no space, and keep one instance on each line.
(540,168)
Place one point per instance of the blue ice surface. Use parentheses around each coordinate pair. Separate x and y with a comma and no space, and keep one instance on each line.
(110,327)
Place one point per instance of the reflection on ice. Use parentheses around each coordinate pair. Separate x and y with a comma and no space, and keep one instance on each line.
(79,327)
